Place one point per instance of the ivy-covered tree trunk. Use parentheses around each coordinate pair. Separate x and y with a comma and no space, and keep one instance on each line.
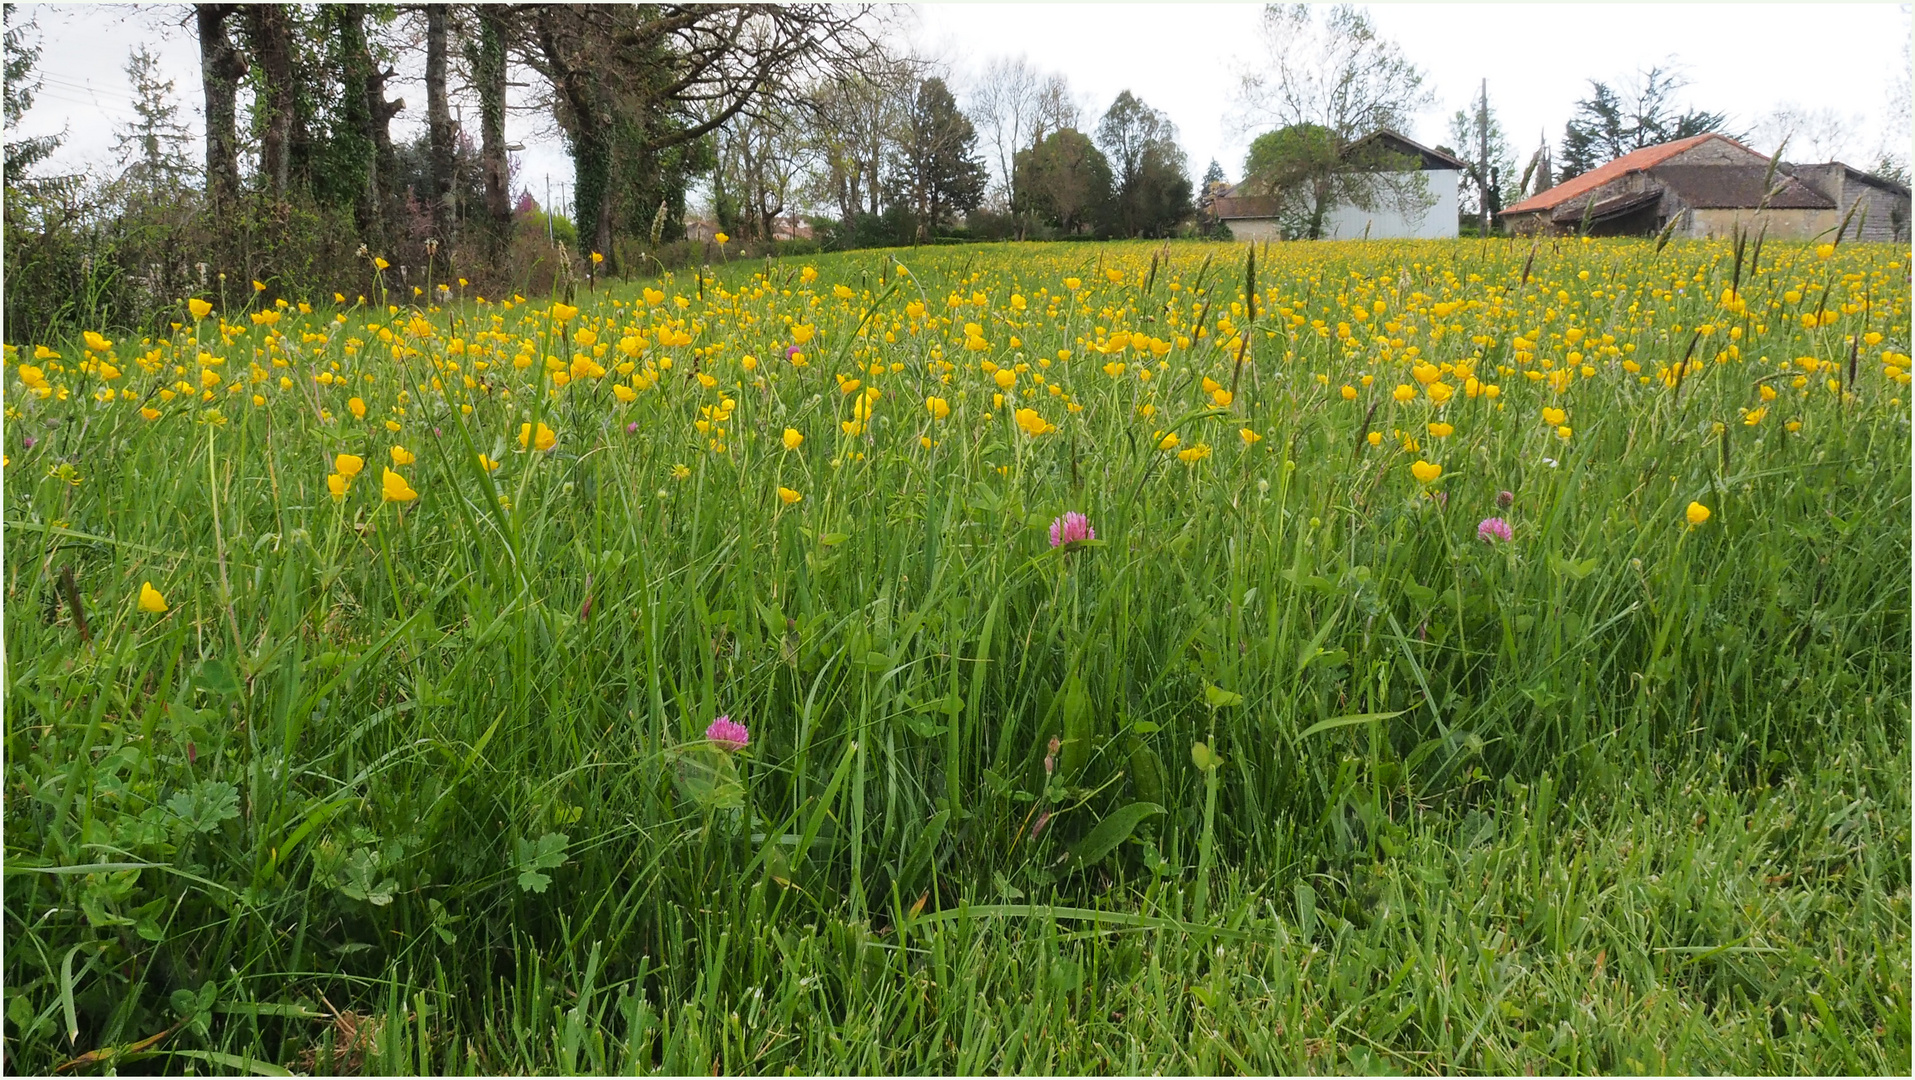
(348,22)
(488,65)
(592,183)
(439,121)
(589,128)
(269,32)
(221,67)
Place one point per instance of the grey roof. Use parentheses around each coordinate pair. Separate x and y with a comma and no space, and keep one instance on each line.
(1738,187)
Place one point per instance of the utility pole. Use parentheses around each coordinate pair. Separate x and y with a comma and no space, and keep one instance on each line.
(551,239)
(1482,154)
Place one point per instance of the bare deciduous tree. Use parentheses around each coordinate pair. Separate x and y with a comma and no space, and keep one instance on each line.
(1335,71)
(637,81)
(1004,108)
(1324,85)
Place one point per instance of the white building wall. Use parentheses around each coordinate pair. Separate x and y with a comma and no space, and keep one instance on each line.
(1385,223)
(1348,223)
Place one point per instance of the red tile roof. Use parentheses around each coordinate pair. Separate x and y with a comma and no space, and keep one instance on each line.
(1633,161)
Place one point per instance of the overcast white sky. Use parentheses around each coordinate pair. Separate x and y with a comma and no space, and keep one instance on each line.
(1743,59)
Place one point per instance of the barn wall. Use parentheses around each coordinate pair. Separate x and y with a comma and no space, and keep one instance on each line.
(1535,221)
(1254,229)
(1887,220)
(1782,224)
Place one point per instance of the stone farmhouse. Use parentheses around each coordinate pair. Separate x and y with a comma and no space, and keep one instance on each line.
(1708,186)
(1254,217)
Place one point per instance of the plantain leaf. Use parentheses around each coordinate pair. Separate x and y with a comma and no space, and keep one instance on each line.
(1111,832)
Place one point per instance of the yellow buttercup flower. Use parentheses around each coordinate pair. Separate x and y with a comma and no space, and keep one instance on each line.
(393,488)
(793,438)
(338,485)
(150,599)
(1697,513)
(403,456)
(1249,437)
(788,496)
(348,464)
(721,238)
(1426,471)
(357,407)
(1031,423)
(546,438)
(198,308)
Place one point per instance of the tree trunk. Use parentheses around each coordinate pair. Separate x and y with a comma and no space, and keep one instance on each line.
(385,159)
(356,70)
(489,72)
(591,140)
(269,32)
(221,68)
(439,122)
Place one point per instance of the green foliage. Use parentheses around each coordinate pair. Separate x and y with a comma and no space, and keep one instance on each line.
(530,857)
(1151,189)
(1063,181)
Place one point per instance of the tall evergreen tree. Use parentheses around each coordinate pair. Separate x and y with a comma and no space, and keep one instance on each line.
(1148,168)
(1610,123)
(152,147)
(22,54)
(936,169)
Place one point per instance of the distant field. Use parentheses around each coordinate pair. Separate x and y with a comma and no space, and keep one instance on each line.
(1469,657)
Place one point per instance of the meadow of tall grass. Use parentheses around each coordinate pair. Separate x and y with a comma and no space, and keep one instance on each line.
(1471,656)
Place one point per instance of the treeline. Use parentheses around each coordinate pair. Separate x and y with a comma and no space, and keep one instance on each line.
(793,125)
(303,185)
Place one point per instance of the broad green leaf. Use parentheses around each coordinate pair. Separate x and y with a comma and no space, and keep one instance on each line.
(216,677)
(1204,757)
(1219,698)
(1111,832)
